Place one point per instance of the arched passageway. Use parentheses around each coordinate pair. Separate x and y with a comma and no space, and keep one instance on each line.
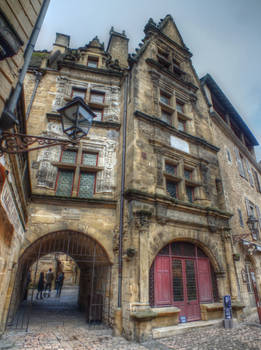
(94,297)
(182,276)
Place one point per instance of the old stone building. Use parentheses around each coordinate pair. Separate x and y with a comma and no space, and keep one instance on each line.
(17,27)
(138,203)
(240,174)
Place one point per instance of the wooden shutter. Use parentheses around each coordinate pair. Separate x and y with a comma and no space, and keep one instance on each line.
(251,180)
(239,163)
(204,281)
(162,281)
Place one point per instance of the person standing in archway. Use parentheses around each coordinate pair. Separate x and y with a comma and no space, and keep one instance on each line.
(40,286)
(49,280)
(59,286)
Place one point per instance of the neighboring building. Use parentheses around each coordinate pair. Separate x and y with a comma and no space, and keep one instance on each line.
(17,23)
(241,184)
(138,203)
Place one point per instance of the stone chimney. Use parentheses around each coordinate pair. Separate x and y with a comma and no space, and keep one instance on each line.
(62,42)
(118,47)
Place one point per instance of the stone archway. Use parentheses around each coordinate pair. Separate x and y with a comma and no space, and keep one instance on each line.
(92,260)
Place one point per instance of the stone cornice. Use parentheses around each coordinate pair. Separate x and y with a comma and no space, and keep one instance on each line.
(101,202)
(81,67)
(176,203)
(98,124)
(220,122)
(174,131)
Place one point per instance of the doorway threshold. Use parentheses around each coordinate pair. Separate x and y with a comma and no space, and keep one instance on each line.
(183,328)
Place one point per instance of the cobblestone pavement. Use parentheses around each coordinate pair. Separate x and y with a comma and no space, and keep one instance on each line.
(57,325)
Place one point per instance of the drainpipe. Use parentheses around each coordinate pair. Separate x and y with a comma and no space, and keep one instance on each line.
(38,77)
(8,118)
(123,161)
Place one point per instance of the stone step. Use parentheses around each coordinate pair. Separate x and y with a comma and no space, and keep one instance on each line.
(183,328)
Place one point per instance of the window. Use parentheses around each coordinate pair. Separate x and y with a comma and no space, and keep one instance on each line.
(240,217)
(171,169)
(163,58)
(179,107)
(78,92)
(164,98)
(72,163)
(97,97)
(228,155)
(253,210)
(99,114)
(181,124)
(190,193)
(166,117)
(92,62)
(240,163)
(250,175)
(188,174)
(172,188)
(257,182)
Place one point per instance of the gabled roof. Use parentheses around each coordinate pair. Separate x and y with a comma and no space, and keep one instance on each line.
(215,89)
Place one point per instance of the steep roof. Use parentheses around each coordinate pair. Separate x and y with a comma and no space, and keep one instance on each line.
(215,89)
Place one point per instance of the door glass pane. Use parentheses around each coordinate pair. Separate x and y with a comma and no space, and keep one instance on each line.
(86,188)
(188,249)
(89,159)
(69,157)
(64,183)
(178,294)
(191,281)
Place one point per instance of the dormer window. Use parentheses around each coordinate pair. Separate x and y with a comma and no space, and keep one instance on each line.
(92,62)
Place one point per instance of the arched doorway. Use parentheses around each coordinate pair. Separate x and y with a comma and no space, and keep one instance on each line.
(182,276)
(95,274)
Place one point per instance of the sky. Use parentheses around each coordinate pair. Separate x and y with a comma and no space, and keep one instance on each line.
(224,37)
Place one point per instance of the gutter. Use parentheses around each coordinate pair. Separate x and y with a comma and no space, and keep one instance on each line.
(123,161)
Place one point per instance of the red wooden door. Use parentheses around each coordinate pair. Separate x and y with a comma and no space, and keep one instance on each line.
(204,281)
(162,278)
(185,291)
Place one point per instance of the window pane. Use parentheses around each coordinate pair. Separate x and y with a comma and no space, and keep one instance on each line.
(187,174)
(181,125)
(179,107)
(172,188)
(64,183)
(99,114)
(165,99)
(190,193)
(170,169)
(97,97)
(78,93)
(178,294)
(69,157)
(191,280)
(86,188)
(166,117)
(89,159)
(92,62)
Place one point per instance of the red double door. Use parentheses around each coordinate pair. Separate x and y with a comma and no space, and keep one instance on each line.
(183,282)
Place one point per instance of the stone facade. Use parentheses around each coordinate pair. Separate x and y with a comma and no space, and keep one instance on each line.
(138,203)
(240,174)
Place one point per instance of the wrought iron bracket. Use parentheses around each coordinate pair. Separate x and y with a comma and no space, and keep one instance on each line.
(237,238)
(13,143)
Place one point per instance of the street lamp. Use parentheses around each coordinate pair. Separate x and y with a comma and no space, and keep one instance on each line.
(76,118)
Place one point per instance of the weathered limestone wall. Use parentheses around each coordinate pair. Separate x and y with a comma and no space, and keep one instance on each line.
(236,190)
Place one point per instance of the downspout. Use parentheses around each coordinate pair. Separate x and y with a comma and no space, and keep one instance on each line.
(123,161)
(38,77)
(8,117)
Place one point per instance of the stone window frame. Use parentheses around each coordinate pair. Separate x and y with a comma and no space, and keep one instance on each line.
(92,59)
(77,168)
(240,217)
(180,180)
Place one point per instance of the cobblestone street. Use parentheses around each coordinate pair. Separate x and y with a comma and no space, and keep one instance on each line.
(55,324)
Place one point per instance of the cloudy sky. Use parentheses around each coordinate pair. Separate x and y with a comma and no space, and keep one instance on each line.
(224,37)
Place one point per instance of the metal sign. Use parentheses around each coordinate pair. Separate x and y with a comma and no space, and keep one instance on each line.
(227,307)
